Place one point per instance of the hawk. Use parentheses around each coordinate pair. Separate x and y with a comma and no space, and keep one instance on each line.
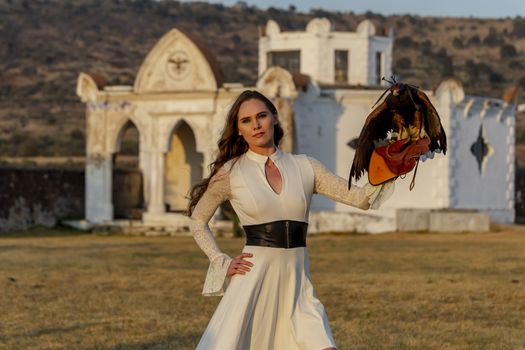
(407,114)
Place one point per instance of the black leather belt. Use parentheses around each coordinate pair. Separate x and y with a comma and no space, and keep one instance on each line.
(277,234)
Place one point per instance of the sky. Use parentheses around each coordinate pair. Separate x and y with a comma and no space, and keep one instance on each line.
(447,8)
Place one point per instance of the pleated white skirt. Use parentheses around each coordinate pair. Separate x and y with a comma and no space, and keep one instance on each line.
(272,307)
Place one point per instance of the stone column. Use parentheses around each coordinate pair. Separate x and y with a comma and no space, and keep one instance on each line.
(156,197)
(144,165)
(98,178)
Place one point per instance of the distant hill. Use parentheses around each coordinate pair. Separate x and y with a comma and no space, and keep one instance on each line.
(45,44)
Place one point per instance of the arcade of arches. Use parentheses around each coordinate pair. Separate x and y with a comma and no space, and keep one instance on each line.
(174,114)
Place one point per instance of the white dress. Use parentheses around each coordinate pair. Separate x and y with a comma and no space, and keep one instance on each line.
(273,306)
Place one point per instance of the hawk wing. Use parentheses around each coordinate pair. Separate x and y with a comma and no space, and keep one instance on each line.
(432,124)
(376,127)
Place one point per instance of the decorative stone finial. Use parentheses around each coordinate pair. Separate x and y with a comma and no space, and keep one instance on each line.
(319,26)
(272,28)
(366,28)
(450,89)
(87,88)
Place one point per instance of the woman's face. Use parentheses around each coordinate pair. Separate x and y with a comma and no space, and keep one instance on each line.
(256,124)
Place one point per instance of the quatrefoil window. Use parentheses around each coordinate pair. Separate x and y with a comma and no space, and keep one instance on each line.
(481,149)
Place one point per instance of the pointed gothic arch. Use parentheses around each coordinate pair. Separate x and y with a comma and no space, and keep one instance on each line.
(182,166)
(127,178)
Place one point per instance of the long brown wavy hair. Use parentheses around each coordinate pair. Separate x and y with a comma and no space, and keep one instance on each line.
(231,144)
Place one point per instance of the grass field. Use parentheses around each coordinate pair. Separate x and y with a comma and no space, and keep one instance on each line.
(391,291)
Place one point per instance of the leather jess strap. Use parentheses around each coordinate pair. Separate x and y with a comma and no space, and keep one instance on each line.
(277,234)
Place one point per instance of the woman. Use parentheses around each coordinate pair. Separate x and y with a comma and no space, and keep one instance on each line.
(269,303)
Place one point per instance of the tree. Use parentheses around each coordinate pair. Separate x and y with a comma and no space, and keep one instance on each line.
(404,63)
(405,41)
(457,43)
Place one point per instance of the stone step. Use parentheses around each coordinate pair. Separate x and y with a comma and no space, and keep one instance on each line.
(449,220)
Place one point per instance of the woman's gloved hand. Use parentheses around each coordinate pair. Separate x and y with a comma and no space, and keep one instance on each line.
(377,195)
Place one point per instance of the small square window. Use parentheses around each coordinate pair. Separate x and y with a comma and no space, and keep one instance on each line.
(379,67)
(341,66)
(289,60)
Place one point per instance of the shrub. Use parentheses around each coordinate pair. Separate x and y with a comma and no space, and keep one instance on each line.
(5,90)
(50,119)
(405,41)
(404,63)
(18,137)
(76,134)
(413,20)
(457,43)
(474,70)
(426,47)
(474,40)
(30,147)
(447,68)
(400,24)
(521,82)
(507,51)
(518,27)
(496,78)
(492,39)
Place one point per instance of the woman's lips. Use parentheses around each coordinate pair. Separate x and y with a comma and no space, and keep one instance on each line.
(259,134)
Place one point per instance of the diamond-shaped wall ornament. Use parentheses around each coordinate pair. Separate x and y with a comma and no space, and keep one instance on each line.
(481,149)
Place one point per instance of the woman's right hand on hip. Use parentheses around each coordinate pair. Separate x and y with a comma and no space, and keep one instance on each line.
(239,266)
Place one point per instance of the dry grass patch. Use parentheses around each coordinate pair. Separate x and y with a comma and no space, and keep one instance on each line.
(393,291)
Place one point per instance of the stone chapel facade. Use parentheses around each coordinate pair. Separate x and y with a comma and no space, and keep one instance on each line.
(323,84)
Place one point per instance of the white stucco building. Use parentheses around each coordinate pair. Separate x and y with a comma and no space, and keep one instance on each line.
(179,102)
(477,173)
(327,56)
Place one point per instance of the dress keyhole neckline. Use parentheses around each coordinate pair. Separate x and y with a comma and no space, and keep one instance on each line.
(276,176)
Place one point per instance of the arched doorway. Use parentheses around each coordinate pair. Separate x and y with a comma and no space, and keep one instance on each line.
(182,168)
(128,199)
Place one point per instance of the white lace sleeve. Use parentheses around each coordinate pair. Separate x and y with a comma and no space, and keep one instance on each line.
(336,188)
(218,191)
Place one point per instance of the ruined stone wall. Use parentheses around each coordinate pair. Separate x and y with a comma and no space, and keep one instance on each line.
(30,197)
(43,196)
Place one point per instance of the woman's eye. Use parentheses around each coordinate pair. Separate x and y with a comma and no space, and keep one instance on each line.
(244,121)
